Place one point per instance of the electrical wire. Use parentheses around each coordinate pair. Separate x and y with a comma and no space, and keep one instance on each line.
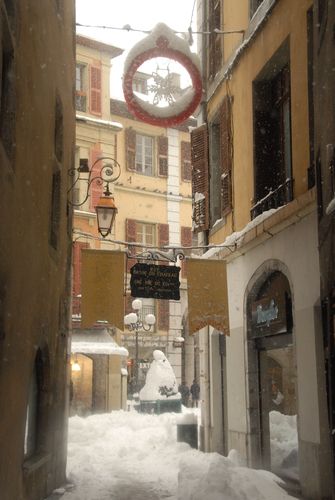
(128,28)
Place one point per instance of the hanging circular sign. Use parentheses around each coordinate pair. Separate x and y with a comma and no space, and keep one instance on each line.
(162,42)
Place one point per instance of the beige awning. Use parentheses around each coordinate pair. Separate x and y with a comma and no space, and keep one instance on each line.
(207,295)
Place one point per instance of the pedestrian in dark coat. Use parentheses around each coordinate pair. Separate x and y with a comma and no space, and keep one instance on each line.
(195,391)
(185,393)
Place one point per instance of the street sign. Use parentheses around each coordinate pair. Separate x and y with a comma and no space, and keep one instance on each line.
(155,282)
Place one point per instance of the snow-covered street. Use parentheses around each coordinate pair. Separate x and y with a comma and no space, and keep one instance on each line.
(133,456)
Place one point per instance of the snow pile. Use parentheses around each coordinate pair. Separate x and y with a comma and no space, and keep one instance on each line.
(131,455)
(211,476)
(160,380)
(284,444)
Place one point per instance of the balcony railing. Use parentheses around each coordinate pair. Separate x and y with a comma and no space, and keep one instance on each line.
(80,101)
(275,199)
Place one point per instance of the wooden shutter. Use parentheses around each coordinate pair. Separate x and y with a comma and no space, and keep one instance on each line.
(226,157)
(163,314)
(185,157)
(96,187)
(163,235)
(131,238)
(130,141)
(95,89)
(127,305)
(163,146)
(200,187)
(186,241)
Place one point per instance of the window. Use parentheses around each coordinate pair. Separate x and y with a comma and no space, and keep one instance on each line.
(254,4)
(272,134)
(145,233)
(95,89)
(215,54)
(144,154)
(140,85)
(55,209)
(7,91)
(36,415)
(185,154)
(81,86)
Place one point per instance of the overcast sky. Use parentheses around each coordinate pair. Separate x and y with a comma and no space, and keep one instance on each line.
(142,15)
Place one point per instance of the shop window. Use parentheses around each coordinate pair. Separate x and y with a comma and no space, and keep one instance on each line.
(215,52)
(272,135)
(81,87)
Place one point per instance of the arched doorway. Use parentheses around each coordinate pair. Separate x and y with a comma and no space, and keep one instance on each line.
(272,375)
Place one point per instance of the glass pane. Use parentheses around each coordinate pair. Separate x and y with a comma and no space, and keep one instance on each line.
(279,411)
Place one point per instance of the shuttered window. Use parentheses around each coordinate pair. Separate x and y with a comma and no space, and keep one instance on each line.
(226,157)
(185,157)
(96,187)
(200,189)
(131,238)
(144,154)
(186,241)
(163,145)
(215,39)
(95,89)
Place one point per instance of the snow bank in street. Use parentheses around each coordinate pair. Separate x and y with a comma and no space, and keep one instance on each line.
(130,455)
(284,444)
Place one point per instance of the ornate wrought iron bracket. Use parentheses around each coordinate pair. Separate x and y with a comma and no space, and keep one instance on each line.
(171,255)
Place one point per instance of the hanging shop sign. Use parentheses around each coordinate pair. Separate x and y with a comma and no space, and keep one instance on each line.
(155,282)
(162,42)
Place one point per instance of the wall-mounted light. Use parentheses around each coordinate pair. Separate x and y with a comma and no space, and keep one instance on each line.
(109,172)
(75,366)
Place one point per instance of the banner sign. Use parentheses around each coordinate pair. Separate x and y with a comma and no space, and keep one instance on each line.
(155,282)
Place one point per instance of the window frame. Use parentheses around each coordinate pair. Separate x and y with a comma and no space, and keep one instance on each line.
(140,156)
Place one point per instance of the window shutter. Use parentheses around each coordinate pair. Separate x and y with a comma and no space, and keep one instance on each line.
(200,188)
(185,155)
(163,314)
(163,235)
(130,142)
(95,89)
(186,241)
(226,157)
(127,306)
(131,238)
(96,188)
(163,146)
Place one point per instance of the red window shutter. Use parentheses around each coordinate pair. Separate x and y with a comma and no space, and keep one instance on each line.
(163,147)
(226,157)
(131,238)
(185,157)
(186,241)
(200,179)
(96,187)
(163,314)
(163,235)
(95,89)
(130,142)
(76,275)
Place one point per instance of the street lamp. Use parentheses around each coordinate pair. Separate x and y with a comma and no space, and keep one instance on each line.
(134,323)
(109,172)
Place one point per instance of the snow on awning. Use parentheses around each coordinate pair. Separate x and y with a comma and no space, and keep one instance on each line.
(96,343)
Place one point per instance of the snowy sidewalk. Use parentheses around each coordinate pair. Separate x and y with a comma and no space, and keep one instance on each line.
(131,456)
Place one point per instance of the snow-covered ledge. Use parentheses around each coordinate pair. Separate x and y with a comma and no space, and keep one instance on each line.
(263,227)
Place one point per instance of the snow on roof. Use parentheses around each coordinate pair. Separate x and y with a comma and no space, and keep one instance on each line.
(97,121)
(96,343)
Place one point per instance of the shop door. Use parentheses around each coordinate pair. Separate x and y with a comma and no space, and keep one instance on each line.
(278,409)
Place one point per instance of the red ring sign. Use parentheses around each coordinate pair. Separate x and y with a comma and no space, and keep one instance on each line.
(162,50)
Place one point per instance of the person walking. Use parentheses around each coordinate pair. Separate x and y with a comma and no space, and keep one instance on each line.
(195,391)
(185,393)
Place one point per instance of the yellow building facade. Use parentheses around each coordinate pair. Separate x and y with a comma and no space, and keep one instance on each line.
(253,152)
(152,194)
